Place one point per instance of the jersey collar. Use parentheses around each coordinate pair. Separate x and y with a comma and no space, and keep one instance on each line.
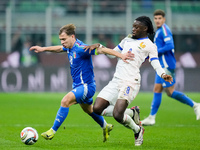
(142,38)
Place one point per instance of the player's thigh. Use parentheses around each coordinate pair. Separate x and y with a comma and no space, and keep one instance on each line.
(84,93)
(110,92)
(157,88)
(99,105)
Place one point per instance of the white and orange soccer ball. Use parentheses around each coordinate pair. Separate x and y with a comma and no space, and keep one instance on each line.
(29,136)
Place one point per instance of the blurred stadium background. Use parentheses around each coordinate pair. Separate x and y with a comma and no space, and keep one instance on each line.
(36,22)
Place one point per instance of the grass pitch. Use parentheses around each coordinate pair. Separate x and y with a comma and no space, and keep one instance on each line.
(176,126)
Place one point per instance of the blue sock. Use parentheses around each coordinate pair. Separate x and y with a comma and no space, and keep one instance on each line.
(181,97)
(156,103)
(60,117)
(99,119)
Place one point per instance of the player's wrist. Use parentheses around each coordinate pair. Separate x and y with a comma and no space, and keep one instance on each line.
(163,75)
(100,45)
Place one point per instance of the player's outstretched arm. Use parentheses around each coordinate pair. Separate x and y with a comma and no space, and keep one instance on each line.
(92,47)
(109,51)
(103,50)
(39,49)
(160,71)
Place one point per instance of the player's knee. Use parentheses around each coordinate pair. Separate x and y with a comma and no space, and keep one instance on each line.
(157,88)
(97,109)
(66,102)
(118,117)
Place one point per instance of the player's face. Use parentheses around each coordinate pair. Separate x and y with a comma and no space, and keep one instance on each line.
(159,20)
(67,41)
(138,30)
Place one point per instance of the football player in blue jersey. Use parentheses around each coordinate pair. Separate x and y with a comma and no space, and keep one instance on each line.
(165,44)
(84,86)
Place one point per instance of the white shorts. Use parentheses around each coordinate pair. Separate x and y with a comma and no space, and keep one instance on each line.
(119,89)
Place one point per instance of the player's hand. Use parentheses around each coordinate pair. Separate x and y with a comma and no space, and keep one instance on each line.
(91,47)
(37,49)
(167,78)
(128,55)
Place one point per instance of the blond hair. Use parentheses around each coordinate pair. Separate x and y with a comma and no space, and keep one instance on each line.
(69,29)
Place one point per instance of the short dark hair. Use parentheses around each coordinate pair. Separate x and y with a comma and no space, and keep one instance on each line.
(147,22)
(69,29)
(159,12)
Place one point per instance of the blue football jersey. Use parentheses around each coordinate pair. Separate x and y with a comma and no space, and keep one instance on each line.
(165,44)
(80,64)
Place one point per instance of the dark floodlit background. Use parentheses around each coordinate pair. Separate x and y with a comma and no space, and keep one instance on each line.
(36,22)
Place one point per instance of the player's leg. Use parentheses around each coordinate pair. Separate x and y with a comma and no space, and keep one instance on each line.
(127,93)
(99,119)
(86,103)
(121,117)
(181,97)
(110,95)
(99,106)
(133,112)
(108,112)
(157,98)
(155,104)
(85,100)
(106,99)
(127,121)
(89,110)
(68,100)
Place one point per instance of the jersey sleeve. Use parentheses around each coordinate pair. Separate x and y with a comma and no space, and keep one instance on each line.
(65,49)
(157,67)
(87,53)
(120,46)
(168,40)
(84,53)
(153,53)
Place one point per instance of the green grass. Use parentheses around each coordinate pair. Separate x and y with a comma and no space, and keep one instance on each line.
(176,126)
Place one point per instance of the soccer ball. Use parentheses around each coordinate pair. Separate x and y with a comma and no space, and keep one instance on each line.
(29,136)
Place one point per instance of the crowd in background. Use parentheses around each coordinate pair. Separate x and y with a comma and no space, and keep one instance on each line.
(21,44)
(22,41)
(78,6)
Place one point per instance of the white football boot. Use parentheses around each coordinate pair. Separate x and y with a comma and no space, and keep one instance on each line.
(139,137)
(197,110)
(136,114)
(149,121)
